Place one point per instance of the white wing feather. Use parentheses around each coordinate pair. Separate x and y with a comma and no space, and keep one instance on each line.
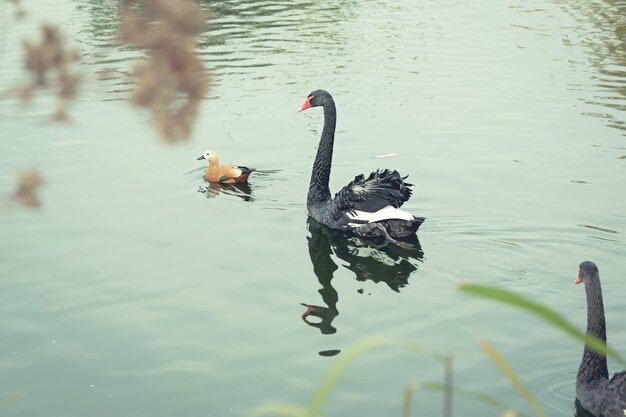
(385,213)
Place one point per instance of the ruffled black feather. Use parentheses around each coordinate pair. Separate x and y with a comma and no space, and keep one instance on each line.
(378,190)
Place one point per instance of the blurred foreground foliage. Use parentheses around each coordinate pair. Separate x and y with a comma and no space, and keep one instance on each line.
(172,81)
(485,291)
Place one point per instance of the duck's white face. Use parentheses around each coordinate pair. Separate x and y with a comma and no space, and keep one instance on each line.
(210,156)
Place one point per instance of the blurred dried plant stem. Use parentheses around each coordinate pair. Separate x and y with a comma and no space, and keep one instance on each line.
(48,63)
(172,82)
(19,12)
(27,184)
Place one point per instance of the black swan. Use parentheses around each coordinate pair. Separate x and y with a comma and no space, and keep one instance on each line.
(596,393)
(367,207)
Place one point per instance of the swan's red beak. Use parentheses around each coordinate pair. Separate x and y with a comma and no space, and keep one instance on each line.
(306,104)
(578,280)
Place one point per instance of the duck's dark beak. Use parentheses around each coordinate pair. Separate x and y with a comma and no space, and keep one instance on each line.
(200,157)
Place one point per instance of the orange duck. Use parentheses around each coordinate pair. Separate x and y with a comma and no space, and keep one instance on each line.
(226,174)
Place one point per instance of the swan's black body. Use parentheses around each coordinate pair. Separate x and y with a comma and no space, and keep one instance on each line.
(355,203)
(596,393)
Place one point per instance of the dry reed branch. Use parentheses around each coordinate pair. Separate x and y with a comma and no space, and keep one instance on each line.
(172,81)
(19,11)
(27,183)
(48,63)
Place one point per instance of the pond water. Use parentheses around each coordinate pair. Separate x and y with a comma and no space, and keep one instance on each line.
(130,293)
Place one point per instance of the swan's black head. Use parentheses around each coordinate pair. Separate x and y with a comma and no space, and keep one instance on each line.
(316,98)
(586,270)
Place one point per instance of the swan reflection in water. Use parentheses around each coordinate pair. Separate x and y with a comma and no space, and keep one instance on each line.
(390,263)
(213,189)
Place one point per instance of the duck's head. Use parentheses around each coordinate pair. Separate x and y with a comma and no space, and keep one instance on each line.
(210,156)
(316,98)
(586,270)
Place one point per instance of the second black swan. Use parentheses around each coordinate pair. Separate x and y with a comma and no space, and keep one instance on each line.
(596,393)
(367,206)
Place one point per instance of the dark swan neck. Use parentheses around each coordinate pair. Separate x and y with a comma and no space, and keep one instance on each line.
(593,365)
(320,177)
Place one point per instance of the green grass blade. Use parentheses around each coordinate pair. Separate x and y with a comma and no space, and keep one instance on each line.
(459,392)
(513,377)
(347,357)
(448,384)
(279,409)
(510,298)
(10,400)
(409,392)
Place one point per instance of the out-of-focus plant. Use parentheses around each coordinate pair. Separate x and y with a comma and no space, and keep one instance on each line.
(413,388)
(486,291)
(10,400)
(48,63)
(19,11)
(510,298)
(513,377)
(341,364)
(27,184)
(172,81)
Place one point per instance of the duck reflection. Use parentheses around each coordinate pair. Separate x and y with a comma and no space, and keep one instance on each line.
(389,263)
(213,189)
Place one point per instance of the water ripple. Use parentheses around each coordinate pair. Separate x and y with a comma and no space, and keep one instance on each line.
(606,48)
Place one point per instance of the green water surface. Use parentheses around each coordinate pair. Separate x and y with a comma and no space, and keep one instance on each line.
(130,293)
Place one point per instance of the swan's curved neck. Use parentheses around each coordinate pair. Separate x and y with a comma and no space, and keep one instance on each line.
(318,188)
(593,364)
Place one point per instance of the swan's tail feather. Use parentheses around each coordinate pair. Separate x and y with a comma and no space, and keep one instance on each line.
(381,188)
